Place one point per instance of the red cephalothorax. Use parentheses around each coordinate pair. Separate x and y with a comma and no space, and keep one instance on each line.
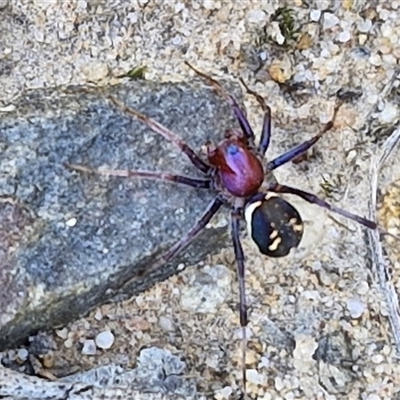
(239,169)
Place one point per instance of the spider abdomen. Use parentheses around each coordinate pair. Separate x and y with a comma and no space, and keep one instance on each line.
(274,225)
(240,171)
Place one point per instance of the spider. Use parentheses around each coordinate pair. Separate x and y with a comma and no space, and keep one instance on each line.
(236,172)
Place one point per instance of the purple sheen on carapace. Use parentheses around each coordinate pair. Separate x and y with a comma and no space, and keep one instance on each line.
(239,169)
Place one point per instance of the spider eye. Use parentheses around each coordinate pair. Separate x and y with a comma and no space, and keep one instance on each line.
(274,225)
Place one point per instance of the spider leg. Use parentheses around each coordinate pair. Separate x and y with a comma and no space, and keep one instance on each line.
(303,147)
(312,198)
(240,115)
(210,211)
(166,133)
(239,255)
(162,176)
(266,129)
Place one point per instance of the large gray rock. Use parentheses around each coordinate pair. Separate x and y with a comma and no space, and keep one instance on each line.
(50,271)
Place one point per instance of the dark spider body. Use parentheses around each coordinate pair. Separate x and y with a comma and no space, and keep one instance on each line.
(235,171)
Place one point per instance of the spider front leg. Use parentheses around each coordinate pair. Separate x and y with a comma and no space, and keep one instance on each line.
(167,134)
(239,255)
(162,176)
(240,115)
(303,147)
(312,198)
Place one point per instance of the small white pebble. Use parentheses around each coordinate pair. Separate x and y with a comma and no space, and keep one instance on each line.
(132,17)
(384,14)
(389,114)
(256,16)
(68,343)
(377,358)
(104,340)
(180,267)
(389,59)
(62,333)
(315,15)
(223,393)
(372,397)
(264,363)
(372,98)
(291,299)
(176,40)
(166,323)
(363,288)
(263,55)
(89,348)
(364,26)
(344,36)
(71,222)
(380,369)
(375,60)
(326,278)
(351,155)
(330,397)
(82,4)
(325,53)
(209,4)
(39,36)
(362,39)
(254,377)
(23,354)
(279,384)
(356,307)
(98,316)
(179,7)
(289,396)
(386,350)
(280,39)
(330,20)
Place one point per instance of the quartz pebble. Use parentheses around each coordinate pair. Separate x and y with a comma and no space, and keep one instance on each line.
(223,393)
(166,323)
(329,20)
(389,114)
(356,307)
(23,354)
(364,26)
(344,36)
(256,16)
(89,347)
(104,340)
(315,15)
